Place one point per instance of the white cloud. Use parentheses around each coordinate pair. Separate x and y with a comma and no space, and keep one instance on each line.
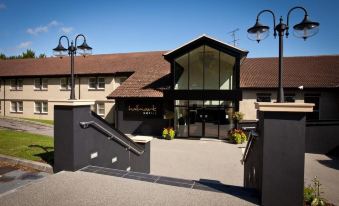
(37,30)
(54,23)
(66,30)
(41,29)
(24,45)
(2,6)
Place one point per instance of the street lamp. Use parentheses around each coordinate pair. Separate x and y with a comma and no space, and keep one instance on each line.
(306,28)
(61,51)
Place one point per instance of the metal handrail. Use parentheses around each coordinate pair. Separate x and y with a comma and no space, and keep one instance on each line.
(251,138)
(85,125)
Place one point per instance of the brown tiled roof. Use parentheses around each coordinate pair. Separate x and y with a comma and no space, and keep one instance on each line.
(95,64)
(307,71)
(151,71)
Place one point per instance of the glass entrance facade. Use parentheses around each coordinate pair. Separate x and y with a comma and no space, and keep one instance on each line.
(203,118)
(205,87)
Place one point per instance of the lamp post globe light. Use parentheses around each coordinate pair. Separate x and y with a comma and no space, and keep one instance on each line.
(61,51)
(305,29)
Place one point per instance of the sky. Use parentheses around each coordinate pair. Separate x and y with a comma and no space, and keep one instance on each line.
(121,26)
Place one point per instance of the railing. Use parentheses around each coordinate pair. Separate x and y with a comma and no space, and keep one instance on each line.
(251,136)
(111,136)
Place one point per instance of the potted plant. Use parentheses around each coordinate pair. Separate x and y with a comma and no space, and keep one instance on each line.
(237,117)
(237,136)
(168,133)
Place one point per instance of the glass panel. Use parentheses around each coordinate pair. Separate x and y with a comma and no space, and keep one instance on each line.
(20,107)
(36,83)
(101,108)
(181,102)
(13,84)
(63,83)
(226,71)
(37,107)
(225,118)
(181,73)
(211,120)
(13,106)
(45,107)
(101,83)
(195,118)
(196,69)
(92,83)
(19,84)
(211,74)
(263,97)
(44,83)
(181,121)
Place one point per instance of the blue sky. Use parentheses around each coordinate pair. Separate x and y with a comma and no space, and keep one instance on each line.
(121,26)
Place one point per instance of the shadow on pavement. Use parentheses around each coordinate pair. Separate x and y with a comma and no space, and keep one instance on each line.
(250,195)
(47,155)
(333,163)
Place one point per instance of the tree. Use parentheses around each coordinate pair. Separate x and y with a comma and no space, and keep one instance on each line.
(2,56)
(28,54)
(42,56)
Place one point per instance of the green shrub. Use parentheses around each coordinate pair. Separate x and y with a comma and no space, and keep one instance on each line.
(168,133)
(237,136)
(312,194)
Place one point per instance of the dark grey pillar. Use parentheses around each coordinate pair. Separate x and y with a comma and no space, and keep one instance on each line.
(283,146)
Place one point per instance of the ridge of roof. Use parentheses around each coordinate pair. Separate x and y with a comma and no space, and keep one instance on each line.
(204,36)
(312,56)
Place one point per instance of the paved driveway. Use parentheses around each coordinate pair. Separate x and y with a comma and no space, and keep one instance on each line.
(327,171)
(198,159)
(27,126)
(14,177)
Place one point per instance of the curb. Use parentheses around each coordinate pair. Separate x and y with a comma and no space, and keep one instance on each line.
(26,120)
(27,163)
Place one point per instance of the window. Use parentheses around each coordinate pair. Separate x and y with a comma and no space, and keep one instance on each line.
(101,109)
(41,84)
(41,107)
(315,99)
(263,97)
(96,83)
(289,97)
(16,107)
(65,83)
(16,84)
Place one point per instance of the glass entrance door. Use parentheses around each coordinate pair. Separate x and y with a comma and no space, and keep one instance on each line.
(196,118)
(203,118)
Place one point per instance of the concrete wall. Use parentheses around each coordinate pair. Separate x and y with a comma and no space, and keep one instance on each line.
(28,95)
(322,136)
(329,102)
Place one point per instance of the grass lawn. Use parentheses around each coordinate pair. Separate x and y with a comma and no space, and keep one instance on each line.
(26,145)
(45,121)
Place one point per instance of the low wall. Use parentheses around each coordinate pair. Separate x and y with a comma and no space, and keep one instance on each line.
(322,136)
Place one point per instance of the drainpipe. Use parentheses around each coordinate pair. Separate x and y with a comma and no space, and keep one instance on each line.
(79,86)
(4,97)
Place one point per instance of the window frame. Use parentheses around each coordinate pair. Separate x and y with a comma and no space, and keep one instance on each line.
(98,108)
(42,84)
(263,95)
(67,83)
(15,86)
(40,105)
(94,82)
(17,106)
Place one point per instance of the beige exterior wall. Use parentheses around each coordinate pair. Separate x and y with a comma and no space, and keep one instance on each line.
(28,95)
(247,107)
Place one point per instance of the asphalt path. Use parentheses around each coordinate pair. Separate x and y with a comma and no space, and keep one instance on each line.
(27,126)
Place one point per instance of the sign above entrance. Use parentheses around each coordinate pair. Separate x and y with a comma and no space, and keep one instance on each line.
(138,110)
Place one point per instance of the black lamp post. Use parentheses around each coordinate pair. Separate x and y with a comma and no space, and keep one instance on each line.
(306,28)
(71,50)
